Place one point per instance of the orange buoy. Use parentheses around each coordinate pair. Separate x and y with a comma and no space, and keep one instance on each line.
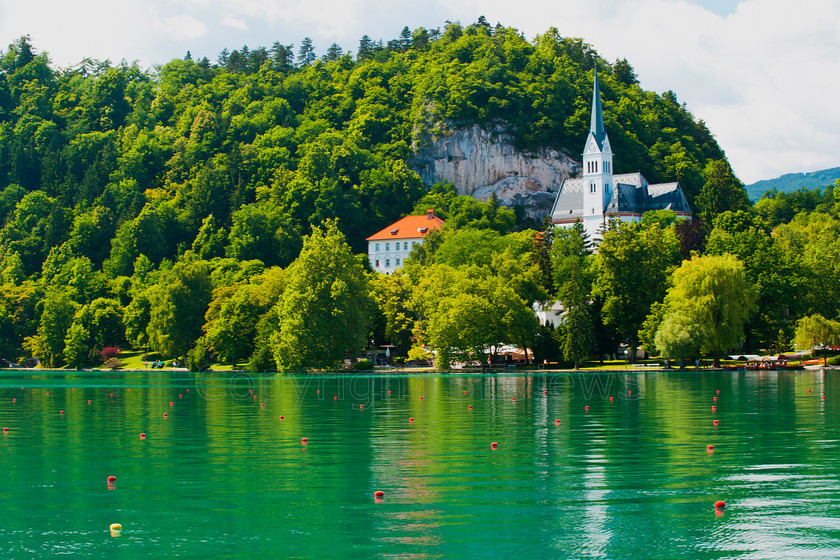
(171,403)
(710,448)
(720,504)
(715,398)
(304,441)
(165,415)
(111,479)
(379,494)
(411,420)
(282,418)
(715,422)
(421,398)
(494,445)
(5,430)
(142,436)
(714,408)
(61,412)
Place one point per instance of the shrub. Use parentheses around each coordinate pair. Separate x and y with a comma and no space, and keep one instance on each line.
(833,361)
(110,352)
(363,365)
(113,363)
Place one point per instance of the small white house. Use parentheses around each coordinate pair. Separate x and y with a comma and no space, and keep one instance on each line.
(388,248)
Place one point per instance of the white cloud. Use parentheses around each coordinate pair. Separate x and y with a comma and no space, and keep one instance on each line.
(181,27)
(235,23)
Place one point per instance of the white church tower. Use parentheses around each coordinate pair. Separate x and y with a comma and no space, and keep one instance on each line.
(597,171)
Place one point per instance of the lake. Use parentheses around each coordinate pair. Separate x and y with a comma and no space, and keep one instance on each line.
(223,476)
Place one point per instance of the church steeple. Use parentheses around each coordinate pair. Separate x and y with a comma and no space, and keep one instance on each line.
(597,125)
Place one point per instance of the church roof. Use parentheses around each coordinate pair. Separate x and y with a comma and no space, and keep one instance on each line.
(630,194)
(596,127)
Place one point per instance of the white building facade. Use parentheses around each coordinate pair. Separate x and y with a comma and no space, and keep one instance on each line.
(389,247)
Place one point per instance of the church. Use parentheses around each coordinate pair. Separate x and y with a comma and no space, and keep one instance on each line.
(599,196)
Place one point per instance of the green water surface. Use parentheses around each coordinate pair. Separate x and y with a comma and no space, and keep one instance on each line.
(224,477)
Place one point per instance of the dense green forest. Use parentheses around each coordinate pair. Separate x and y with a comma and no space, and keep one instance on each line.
(791,182)
(217,211)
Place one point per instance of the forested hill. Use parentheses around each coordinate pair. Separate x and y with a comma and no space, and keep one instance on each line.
(118,161)
(791,182)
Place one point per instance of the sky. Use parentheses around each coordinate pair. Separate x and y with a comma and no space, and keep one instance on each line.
(762,74)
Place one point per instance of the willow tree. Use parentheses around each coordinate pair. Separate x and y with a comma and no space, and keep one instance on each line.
(326,308)
(706,307)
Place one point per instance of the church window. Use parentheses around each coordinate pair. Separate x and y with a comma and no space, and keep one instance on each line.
(387,263)
(398,261)
(377,263)
(592,187)
(387,246)
(377,247)
(405,246)
(596,166)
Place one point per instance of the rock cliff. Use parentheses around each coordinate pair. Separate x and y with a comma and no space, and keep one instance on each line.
(481,162)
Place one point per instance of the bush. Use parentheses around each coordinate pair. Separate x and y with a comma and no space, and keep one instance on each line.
(110,352)
(833,361)
(363,365)
(113,363)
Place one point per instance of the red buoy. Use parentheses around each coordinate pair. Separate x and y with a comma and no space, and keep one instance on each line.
(513,398)
(469,406)
(142,436)
(171,403)
(710,448)
(88,402)
(586,408)
(720,504)
(809,390)
(715,398)
(61,412)
(180,396)
(251,391)
(165,415)
(379,494)
(629,392)
(304,441)
(465,392)
(255,397)
(389,392)
(112,479)
(715,422)
(335,397)
(48,393)
(318,391)
(282,418)
(5,430)
(823,397)
(611,398)
(545,392)
(14,400)
(361,406)
(262,404)
(421,398)
(557,422)
(411,420)
(112,395)
(188,390)
(718,392)
(714,408)
(494,445)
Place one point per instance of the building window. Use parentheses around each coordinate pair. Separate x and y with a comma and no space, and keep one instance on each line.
(387,246)
(377,247)
(388,261)
(405,246)
(398,261)
(377,263)
(596,166)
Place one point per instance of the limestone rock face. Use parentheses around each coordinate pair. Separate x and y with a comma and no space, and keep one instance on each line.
(480,163)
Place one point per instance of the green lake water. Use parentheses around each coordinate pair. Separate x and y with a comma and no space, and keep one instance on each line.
(224,477)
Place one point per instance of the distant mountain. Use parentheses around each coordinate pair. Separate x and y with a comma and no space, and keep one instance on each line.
(793,182)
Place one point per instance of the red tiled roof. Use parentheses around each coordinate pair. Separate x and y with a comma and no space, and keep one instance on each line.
(409,227)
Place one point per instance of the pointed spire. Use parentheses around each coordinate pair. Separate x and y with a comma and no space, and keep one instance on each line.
(597,125)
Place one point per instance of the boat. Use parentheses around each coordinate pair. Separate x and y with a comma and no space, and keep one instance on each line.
(775,363)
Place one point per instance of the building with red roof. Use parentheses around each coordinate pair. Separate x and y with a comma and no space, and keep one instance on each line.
(389,247)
